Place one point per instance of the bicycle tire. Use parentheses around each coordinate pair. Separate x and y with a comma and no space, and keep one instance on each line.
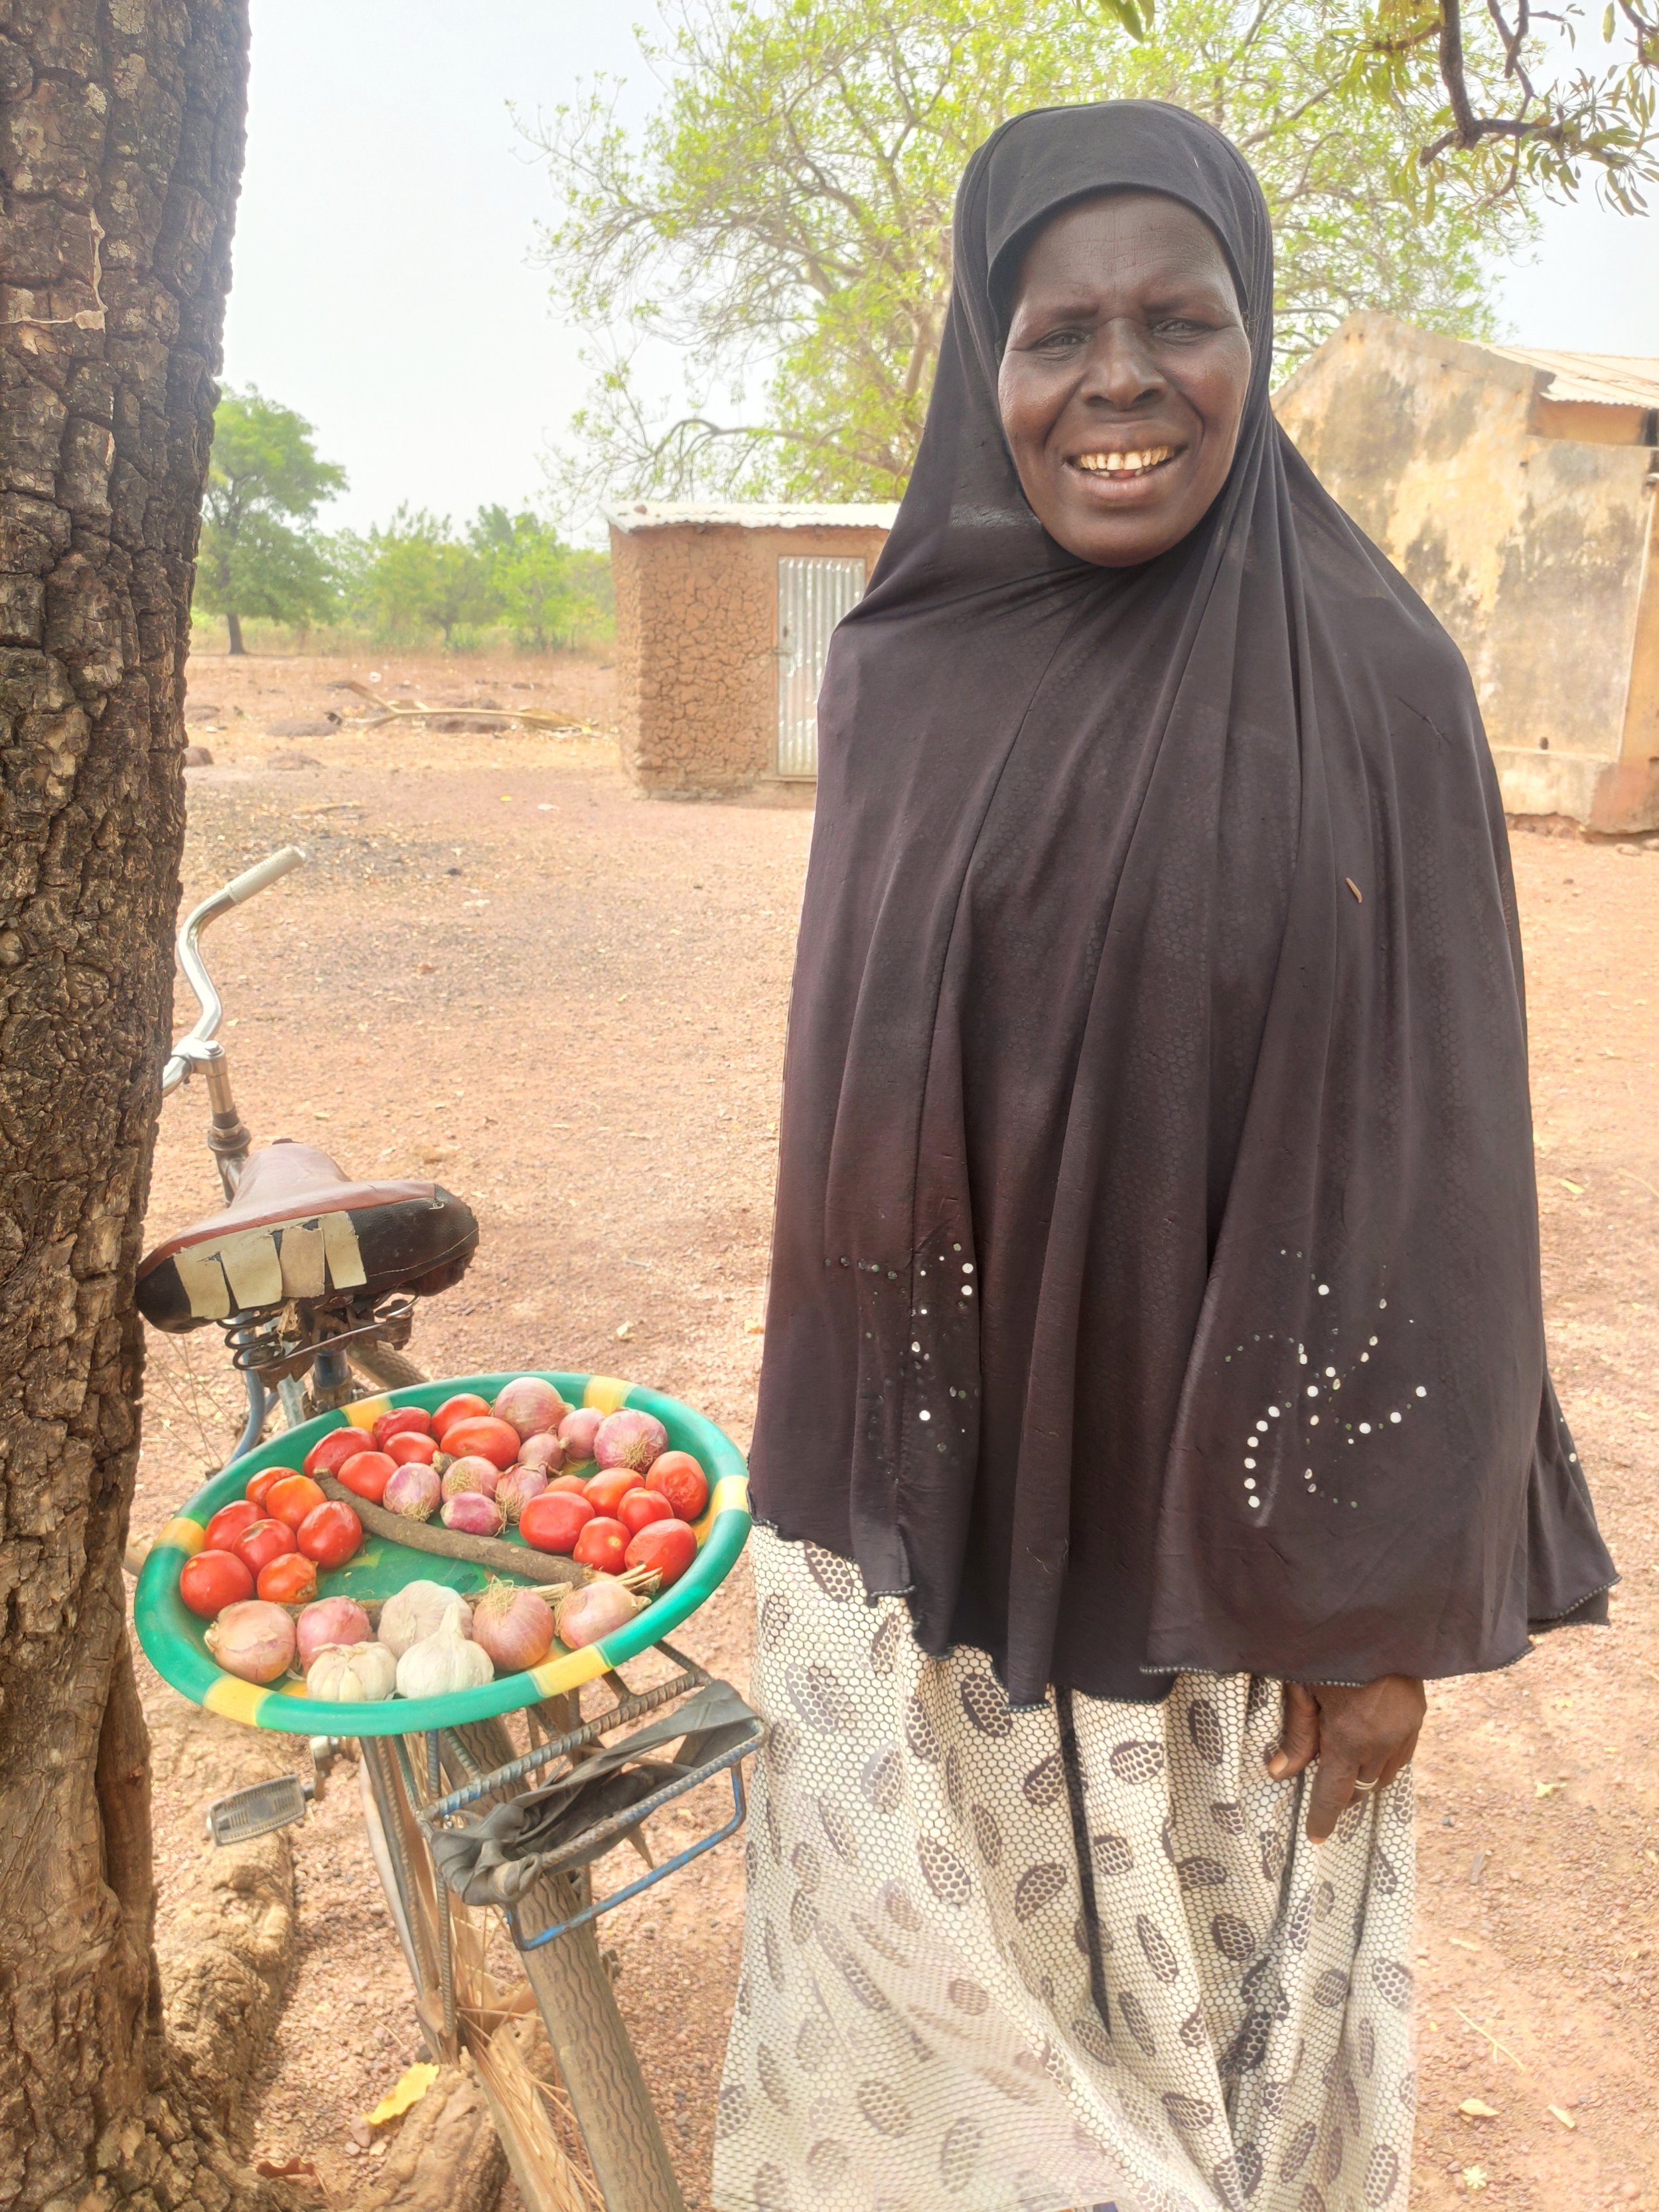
(381,1365)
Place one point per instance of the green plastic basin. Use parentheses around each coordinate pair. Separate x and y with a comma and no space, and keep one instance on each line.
(175,1638)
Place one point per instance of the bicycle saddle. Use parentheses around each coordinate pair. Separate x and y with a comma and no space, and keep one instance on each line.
(299,1227)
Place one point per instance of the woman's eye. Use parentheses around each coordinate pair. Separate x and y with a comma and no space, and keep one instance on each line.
(1178,326)
(1059,341)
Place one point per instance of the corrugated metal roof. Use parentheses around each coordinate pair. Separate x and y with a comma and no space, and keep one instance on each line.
(1608,380)
(667,514)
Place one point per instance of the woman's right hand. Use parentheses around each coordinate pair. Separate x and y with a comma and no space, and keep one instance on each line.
(1361,1738)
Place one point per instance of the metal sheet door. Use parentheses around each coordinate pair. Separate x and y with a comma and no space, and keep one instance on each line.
(812,596)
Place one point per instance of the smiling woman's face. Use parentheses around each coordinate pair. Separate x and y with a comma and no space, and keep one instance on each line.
(1124,376)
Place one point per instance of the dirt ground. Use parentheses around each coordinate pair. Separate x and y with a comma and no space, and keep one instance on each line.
(503,968)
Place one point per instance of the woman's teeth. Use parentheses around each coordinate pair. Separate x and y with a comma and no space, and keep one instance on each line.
(1126,464)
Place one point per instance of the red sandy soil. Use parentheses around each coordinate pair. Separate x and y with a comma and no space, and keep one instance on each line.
(505,969)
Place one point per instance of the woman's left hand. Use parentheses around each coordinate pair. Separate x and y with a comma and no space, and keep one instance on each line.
(1361,1738)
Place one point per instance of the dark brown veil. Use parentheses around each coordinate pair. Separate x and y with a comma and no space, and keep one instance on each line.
(1155,1274)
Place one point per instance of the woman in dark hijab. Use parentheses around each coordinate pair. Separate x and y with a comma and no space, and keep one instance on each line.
(1154,1392)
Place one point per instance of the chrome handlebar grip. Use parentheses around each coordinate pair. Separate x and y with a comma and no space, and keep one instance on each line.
(196,1049)
(263,873)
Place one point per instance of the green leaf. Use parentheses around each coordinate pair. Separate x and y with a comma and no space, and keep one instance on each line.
(775,235)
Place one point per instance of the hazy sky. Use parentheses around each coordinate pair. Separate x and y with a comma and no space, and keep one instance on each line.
(384,284)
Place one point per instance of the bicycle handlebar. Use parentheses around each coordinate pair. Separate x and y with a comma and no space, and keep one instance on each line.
(197,1045)
(268,871)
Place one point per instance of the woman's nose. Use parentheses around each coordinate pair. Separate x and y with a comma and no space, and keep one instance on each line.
(1122,369)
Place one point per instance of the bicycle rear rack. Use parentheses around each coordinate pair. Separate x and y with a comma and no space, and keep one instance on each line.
(598,1837)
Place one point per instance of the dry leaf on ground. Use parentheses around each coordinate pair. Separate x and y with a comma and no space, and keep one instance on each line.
(412,2086)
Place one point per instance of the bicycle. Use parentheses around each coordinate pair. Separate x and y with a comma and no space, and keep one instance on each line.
(311,1275)
(310,1310)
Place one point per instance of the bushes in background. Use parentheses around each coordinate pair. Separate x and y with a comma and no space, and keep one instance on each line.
(506,578)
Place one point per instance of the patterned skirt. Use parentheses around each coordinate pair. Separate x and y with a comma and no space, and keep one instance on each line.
(1016,1961)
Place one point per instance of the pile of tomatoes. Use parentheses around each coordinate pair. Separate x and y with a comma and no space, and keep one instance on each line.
(610,1520)
(269,1544)
(366,1463)
(617,1518)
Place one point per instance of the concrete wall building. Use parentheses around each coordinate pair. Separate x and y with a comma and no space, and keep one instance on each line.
(723,618)
(1516,491)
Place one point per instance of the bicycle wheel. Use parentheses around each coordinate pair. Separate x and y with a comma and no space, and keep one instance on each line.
(381,1365)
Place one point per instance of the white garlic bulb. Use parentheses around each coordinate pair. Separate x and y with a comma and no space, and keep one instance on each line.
(352,1674)
(415,1612)
(444,1660)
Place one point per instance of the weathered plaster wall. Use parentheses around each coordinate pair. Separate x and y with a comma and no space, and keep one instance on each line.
(1528,547)
(696,623)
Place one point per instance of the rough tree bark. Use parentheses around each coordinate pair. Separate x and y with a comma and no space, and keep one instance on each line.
(120,155)
(121,126)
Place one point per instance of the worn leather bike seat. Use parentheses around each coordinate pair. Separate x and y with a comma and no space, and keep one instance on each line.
(300,1227)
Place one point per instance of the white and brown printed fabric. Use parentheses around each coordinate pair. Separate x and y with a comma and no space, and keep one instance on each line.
(1016,1961)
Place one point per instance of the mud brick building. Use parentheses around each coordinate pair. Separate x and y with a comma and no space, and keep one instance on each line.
(723,618)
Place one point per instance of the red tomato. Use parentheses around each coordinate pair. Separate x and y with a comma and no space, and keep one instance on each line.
(610,1486)
(288,1581)
(570,1482)
(335,1448)
(332,1532)
(682,1482)
(408,1420)
(642,1507)
(367,1474)
(463,1407)
(553,1521)
(228,1522)
(213,1580)
(406,1446)
(262,1542)
(258,1485)
(667,1547)
(293,1498)
(482,1434)
(602,1544)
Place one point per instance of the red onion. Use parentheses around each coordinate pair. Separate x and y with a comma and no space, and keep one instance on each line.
(544,1452)
(414,1491)
(253,1639)
(517,1487)
(577,1431)
(629,1439)
(329,1620)
(533,1407)
(472,1473)
(472,1514)
(594,1610)
(514,1625)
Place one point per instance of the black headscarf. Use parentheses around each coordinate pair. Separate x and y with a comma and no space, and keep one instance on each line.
(1156,1275)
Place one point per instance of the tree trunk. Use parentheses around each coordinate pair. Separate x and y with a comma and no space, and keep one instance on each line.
(121,127)
(233,624)
(120,155)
